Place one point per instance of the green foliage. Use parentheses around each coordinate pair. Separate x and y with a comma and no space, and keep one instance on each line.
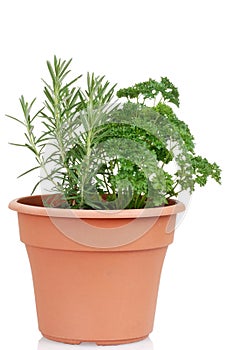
(102,155)
(149,90)
(203,169)
(180,126)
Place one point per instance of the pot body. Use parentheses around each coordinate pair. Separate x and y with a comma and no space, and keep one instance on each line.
(86,293)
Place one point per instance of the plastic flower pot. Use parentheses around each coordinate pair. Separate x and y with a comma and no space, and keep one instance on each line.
(95,273)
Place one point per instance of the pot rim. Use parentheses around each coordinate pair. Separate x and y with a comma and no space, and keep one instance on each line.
(32,205)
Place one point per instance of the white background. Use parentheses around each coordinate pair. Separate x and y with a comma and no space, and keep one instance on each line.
(191,42)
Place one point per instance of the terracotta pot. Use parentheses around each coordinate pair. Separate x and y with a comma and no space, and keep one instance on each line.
(91,290)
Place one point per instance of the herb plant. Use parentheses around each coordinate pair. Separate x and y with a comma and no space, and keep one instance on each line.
(99,153)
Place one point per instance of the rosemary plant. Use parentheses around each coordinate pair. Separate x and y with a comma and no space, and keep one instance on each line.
(100,154)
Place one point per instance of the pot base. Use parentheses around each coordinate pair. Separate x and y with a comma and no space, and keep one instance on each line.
(98,342)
